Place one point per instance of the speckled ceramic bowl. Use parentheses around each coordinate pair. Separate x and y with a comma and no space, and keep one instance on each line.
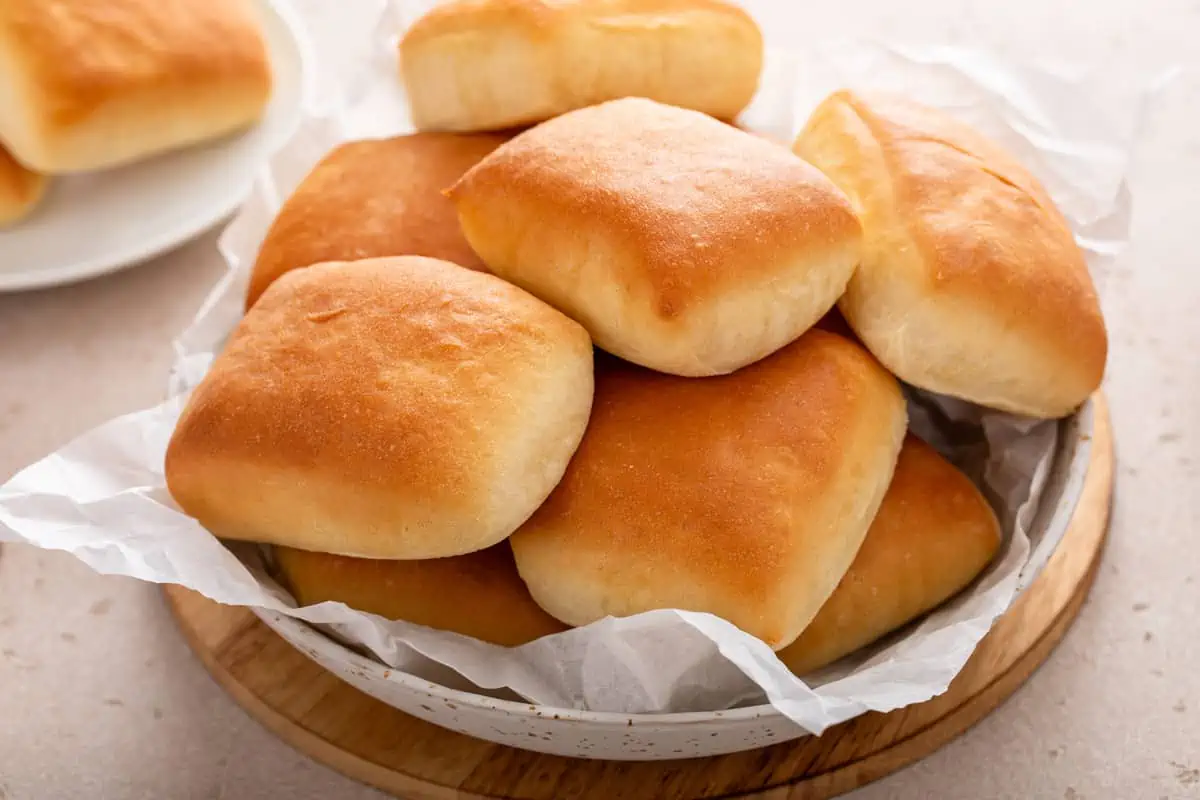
(643,737)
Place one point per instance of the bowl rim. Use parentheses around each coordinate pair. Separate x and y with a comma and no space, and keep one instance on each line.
(296,631)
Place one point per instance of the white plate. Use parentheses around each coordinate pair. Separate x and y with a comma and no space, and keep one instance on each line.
(94,224)
(644,737)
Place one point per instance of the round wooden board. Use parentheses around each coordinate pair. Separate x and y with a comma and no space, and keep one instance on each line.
(374,743)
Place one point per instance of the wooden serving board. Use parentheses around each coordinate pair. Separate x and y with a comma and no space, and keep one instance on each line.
(327,719)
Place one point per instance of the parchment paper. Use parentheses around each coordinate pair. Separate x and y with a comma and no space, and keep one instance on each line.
(103,497)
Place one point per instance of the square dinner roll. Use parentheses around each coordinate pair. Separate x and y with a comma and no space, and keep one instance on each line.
(374,198)
(478,594)
(933,535)
(681,243)
(386,408)
(20,189)
(971,283)
(87,84)
(745,495)
(489,64)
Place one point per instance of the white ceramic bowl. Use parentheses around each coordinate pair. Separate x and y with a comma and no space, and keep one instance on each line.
(644,737)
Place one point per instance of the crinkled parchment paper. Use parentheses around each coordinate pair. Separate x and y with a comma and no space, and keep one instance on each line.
(103,497)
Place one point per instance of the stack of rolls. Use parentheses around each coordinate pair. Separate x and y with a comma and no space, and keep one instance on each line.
(633,357)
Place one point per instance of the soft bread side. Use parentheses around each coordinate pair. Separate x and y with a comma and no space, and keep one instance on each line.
(933,535)
(745,496)
(681,243)
(479,594)
(386,408)
(971,283)
(491,64)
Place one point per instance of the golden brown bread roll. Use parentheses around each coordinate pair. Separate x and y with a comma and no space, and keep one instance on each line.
(374,198)
(488,64)
(745,496)
(933,535)
(971,283)
(681,243)
(86,84)
(20,189)
(386,408)
(478,594)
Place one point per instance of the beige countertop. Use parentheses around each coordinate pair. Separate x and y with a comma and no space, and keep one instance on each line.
(100,698)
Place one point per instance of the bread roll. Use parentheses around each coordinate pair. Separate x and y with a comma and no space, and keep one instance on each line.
(479,594)
(971,283)
(386,408)
(745,496)
(86,84)
(488,64)
(374,198)
(680,243)
(20,189)
(933,535)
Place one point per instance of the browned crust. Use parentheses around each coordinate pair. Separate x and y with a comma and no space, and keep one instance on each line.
(934,533)
(539,16)
(386,408)
(20,189)
(374,198)
(961,243)
(701,206)
(479,594)
(726,494)
(78,55)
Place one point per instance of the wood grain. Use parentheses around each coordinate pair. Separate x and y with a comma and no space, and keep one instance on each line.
(374,743)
